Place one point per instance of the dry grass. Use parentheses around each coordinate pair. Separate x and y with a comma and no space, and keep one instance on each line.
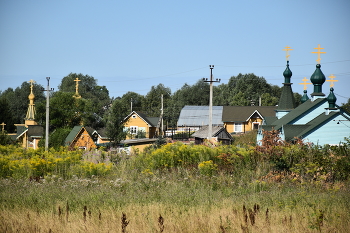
(223,217)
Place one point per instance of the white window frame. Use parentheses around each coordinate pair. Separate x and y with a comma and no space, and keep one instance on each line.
(133,129)
(255,123)
(238,127)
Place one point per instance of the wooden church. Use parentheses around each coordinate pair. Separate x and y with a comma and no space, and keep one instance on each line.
(317,120)
(30,133)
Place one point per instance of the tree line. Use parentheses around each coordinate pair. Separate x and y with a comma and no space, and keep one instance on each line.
(97,109)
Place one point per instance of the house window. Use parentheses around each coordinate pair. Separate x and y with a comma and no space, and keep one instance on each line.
(256,125)
(238,127)
(133,129)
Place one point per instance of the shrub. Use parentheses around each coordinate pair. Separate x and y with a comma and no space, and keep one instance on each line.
(207,168)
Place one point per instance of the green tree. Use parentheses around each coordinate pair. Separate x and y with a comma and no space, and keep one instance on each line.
(250,86)
(89,90)
(220,95)
(240,99)
(18,101)
(268,100)
(152,102)
(6,116)
(346,106)
(297,98)
(115,122)
(67,111)
(136,100)
(57,137)
(5,139)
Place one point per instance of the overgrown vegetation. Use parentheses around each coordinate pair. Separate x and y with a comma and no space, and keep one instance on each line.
(177,188)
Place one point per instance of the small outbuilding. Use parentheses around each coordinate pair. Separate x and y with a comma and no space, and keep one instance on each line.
(219,133)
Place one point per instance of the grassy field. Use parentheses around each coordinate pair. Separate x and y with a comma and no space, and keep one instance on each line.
(176,188)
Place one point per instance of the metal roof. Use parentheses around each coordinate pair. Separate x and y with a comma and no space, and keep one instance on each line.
(199,115)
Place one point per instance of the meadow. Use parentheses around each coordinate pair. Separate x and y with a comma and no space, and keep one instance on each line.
(177,188)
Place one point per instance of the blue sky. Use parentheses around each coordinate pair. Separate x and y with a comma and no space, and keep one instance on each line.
(133,45)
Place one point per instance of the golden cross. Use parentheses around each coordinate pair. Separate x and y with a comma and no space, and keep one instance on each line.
(305,83)
(319,53)
(3,125)
(76,85)
(31,84)
(332,80)
(287,48)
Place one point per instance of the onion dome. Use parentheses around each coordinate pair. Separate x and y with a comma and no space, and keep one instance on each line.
(287,74)
(331,99)
(317,79)
(304,98)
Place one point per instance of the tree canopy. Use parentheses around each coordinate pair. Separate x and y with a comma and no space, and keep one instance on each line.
(115,122)
(96,109)
(16,103)
(89,90)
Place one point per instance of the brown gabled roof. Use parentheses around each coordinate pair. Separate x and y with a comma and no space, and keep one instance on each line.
(243,113)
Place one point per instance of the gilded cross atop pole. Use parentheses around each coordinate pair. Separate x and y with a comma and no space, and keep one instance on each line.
(31,85)
(3,126)
(305,83)
(332,80)
(287,49)
(318,54)
(77,88)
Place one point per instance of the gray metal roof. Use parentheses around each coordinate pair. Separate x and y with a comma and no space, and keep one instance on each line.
(199,115)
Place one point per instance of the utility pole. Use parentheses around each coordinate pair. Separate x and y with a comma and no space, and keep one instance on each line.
(210,129)
(47,113)
(162,128)
(131,105)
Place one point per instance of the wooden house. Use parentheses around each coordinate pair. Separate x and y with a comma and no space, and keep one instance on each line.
(235,119)
(138,125)
(80,138)
(100,137)
(242,119)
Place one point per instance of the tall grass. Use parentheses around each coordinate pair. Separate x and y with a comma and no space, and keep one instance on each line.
(177,188)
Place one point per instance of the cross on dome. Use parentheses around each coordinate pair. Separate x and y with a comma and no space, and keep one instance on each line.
(318,54)
(287,49)
(332,80)
(31,84)
(305,83)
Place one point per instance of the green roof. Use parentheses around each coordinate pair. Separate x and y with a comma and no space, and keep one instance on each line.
(287,100)
(298,112)
(270,119)
(291,131)
(73,133)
